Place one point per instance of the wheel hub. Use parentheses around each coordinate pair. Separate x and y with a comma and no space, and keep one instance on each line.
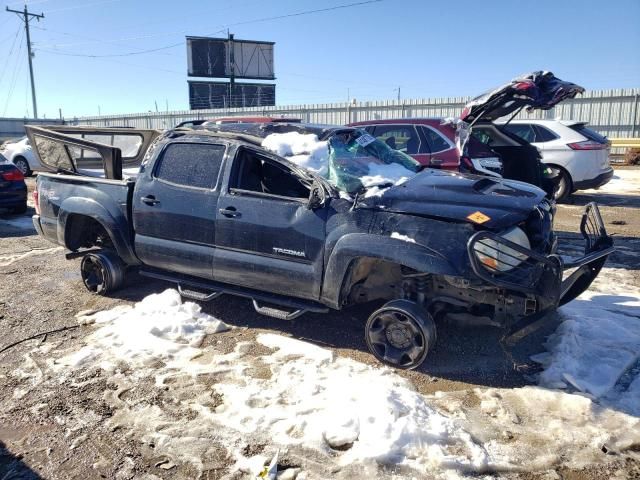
(398,335)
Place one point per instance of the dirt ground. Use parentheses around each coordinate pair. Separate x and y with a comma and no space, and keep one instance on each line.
(40,291)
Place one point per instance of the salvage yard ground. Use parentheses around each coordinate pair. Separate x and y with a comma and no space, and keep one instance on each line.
(147,387)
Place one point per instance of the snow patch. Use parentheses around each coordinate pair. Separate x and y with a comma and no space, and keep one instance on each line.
(598,341)
(16,257)
(400,236)
(158,327)
(306,151)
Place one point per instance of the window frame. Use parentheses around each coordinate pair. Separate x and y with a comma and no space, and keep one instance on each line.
(441,135)
(160,157)
(411,125)
(545,131)
(531,127)
(234,176)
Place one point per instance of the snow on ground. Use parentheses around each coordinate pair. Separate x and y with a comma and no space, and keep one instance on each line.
(624,182)
(7,260)
(339,418)
(598,342)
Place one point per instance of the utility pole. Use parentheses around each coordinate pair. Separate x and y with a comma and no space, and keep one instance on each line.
(232,62)
(398,89)
(26,17)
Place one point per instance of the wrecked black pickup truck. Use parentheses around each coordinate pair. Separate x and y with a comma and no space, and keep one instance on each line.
(217,213)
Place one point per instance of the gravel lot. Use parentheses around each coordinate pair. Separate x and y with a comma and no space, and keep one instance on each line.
(42,292)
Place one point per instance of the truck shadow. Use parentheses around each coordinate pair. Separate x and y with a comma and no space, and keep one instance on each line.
(12,466)
(461,354)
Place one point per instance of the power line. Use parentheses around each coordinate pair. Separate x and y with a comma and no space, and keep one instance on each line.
(307,12)
(13,44)
(14,76)
(225,27)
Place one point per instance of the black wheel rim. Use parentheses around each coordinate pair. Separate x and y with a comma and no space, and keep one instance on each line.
(396,338)
(92,274)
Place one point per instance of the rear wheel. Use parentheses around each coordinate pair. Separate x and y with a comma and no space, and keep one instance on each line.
(102,272)
(22,165)
(400,334)
(563,184)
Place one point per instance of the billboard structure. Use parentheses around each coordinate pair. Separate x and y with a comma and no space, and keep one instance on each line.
(211,94)
(232,59)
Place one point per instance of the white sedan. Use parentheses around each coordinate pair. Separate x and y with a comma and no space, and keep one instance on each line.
(578,155)
(21,155)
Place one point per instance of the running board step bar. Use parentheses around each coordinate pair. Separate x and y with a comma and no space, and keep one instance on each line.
(276,313)
(202,290)
(197,296)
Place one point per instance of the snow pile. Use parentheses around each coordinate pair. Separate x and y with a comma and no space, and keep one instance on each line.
(158,327)
(535,429)
(317,401)
(381,177)
(306,151)
(598,342)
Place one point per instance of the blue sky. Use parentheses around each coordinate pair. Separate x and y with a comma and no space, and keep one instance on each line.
(428,48)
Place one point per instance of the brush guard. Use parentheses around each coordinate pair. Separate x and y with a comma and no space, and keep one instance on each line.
(547,278)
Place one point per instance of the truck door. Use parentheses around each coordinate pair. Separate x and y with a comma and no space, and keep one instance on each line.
(174,207)
(266,237)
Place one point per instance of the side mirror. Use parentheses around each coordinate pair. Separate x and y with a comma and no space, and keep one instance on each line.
(317,197)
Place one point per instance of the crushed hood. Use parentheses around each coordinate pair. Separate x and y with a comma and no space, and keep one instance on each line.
(540,90)
(455,196)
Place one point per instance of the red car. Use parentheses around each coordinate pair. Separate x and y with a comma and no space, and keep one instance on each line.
(433,144)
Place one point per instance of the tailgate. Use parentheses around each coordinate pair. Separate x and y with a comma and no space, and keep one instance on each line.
(91,151)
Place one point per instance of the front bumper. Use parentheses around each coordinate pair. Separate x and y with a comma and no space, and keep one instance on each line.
(545,281)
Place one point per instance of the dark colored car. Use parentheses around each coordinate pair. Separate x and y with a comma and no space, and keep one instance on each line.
(433,143)
(216,213)
(13,190)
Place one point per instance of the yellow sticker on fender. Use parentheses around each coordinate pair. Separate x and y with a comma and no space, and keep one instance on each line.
(478,217)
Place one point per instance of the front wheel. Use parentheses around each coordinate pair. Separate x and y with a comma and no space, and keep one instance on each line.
(102,272)
(400,334)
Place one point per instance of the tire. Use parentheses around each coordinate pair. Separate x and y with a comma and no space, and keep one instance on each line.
(102,272)
(21,209)
(22,165)
(563,187)
(400,334)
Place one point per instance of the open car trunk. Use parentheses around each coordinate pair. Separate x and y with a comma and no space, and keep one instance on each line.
(103,152)
(536,91)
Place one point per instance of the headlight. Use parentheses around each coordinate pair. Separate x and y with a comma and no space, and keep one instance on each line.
(498,257)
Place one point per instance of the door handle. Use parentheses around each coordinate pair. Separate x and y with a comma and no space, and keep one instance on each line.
(149,200)
(229,212)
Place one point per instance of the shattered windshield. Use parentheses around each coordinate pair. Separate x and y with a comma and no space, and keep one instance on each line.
(352,160)
(357,160)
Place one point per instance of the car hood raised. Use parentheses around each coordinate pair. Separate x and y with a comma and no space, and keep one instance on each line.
(458,197)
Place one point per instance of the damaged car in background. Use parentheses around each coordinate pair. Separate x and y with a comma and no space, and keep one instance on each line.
(301,218)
